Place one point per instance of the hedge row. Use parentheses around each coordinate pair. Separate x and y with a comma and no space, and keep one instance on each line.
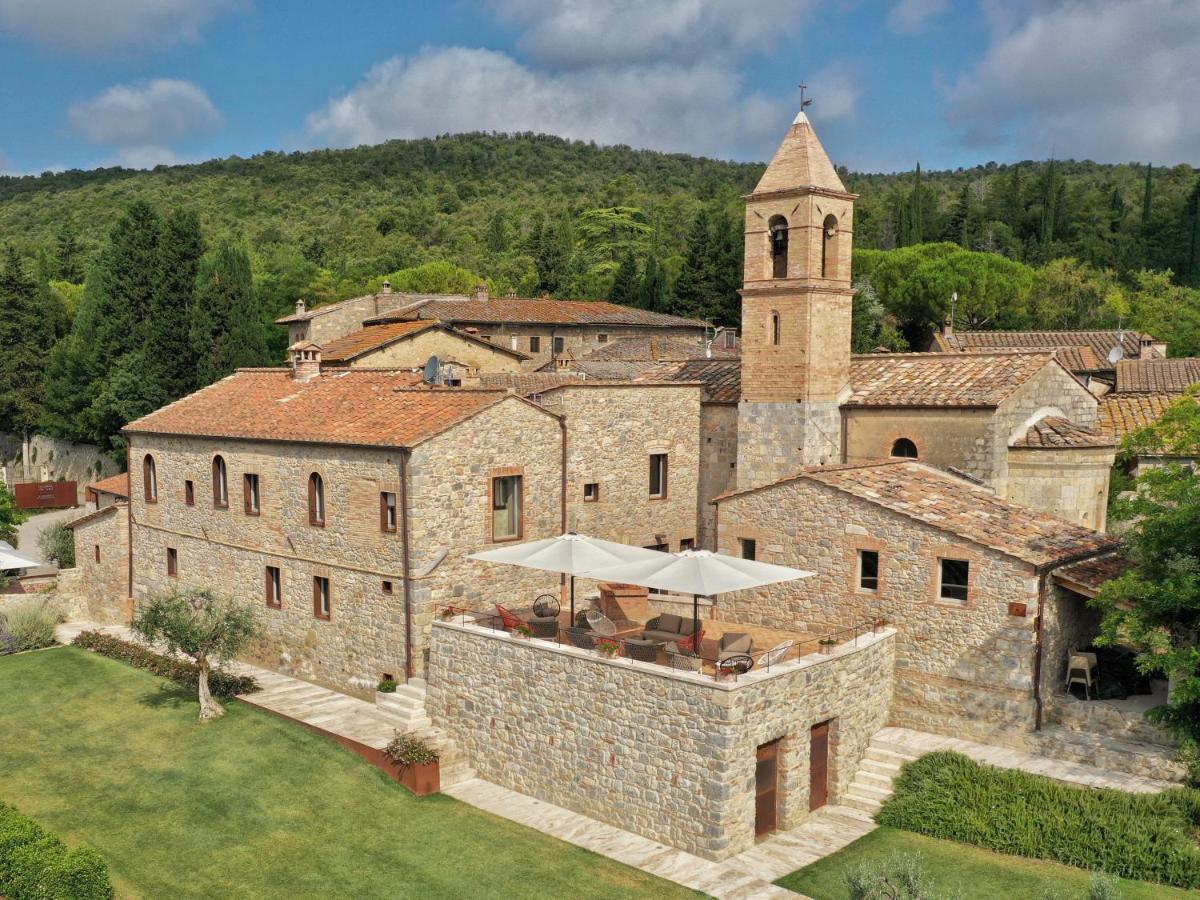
(36,865)
(185,672)
(1142,836)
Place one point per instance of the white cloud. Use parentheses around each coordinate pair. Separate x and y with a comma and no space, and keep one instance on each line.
(91,26)
(912,16)
(1087,78)
(146,116)
(572,34)
(145,157)
(699,108)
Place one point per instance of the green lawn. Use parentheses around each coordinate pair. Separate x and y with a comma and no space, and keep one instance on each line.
(251,805)
(962,871)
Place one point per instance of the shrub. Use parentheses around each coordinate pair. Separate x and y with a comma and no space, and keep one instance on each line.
(408,750)
(181,671)
(57,544)
(31,625)
(387,686)
(35,865)
(1141,836)
(899,878)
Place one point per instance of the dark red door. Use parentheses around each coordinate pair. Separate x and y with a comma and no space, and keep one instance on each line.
(818,766)
(766,789)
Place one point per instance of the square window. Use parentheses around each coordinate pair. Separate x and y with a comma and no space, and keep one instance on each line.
(506,508)
(322,607)
(602,339)
(591,492)
(189,493)
(868,570)
(387,587)
(535,345)
(387,511)
(172,561)
(687,544)
(749,548)
(274,588)
(250,492)
(953,580)
(658,475)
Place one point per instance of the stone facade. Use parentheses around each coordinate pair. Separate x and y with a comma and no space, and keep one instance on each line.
(337,320)
(577,340)
(228,549)
(776,439)
(961,669)
(669,755)
(944,437)
(1069,483)
(99,582)
(718,465)
(411,353)
(53,460)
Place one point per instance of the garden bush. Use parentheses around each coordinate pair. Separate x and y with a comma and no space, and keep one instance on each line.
(31,625)
(1142,836)
(36,865)
(57,544)
(182,671)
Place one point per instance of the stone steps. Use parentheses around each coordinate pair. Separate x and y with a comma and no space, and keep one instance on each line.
(880,765)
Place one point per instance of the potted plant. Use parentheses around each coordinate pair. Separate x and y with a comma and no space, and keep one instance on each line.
(607,647)
(827,645)
(522,632)
(387,685)
(416,764)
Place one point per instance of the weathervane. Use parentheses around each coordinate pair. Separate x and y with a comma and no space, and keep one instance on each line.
(803,102)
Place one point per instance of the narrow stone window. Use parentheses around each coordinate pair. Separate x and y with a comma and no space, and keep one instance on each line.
(953,580)
(97,553)
(316,500)
(387,587)
(149,479)
(560,346)
(775,329)
(778,227)
(189,493)
(172,561)
(829,247)
(535,344)
(506,508)
(387,511)
(591,492)
(322,606)
(220,486)
(274,587)
(868,570)
(250,496)
(749,548)
(658,476)
(903,448)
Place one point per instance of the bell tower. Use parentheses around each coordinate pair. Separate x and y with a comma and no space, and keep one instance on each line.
(796,304)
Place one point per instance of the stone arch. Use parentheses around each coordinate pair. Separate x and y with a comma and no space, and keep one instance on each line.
(777,229)
(904,448)
(829,247)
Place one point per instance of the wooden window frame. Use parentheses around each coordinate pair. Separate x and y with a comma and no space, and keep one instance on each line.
(322,590)
(172,562)
(273,580)
(220,482)
(939,583)
(149,478)
(189,493)
(595,493)
(252,489)
(316,498)
(493,477)
(664,478)
(386,512)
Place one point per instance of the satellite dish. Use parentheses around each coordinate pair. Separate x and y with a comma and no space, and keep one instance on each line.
(1116,354)
(433,371)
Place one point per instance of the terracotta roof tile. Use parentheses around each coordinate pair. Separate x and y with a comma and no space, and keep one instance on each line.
(365,407)
(97,514)
(1119,414)
(117,485)
(940,379)
(548,312)
(1157,376)
(1055,433)
(356,343)
(1089,575)
(955,505)
(1099,342)
(722,378)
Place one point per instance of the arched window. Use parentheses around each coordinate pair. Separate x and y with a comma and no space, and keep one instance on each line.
(220,483)
(775,328)
(149,479)
(829,247)
(779,246)
(316,500)
(904,449)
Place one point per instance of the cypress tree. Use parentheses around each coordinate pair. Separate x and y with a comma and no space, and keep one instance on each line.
(26,335)
(730,254)
(916,218)
(652,291)
(1190,266)
(1050,203)
(957,224)
(625,284)
(168,344)
(1147,200)
(226,329)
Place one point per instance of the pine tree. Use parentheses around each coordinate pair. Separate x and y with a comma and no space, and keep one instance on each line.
(730,254)
(695,288)
(169,353)
(26,336)
(625,283)
(226,328)
(1014,205)
(956,229)
(652,291)
(69,254)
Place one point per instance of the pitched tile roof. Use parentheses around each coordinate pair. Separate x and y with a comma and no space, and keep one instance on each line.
(361,407)
(97,514)
(1088,576)
(1119,414)
(525,383)
(722,378)
(1055,433)
(952,504)
(940,379)
(1157,376)
(799,162)
(373,337)
(117,485)
(392,301)
(645,347)
(502,310)
(1099,342)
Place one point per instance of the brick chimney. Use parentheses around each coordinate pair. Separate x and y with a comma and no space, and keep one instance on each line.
(481,292)
(1146,348)
(510,294)
(306,360)
(300,307)
(386,287)
(948,327)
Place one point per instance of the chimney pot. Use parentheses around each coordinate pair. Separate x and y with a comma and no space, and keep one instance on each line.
(511,294)
(1146,347)
(387,286)
(306,361)
(948,326)
(300,306)
(481,292)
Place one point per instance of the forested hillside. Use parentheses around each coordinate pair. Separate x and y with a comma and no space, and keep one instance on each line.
(148,284)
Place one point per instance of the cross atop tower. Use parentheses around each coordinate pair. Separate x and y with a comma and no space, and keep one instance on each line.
(803,102)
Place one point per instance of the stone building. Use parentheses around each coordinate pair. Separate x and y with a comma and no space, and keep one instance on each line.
(98,584)
(410,345)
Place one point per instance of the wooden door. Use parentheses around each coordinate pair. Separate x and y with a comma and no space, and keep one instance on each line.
(766,789)
(818,766)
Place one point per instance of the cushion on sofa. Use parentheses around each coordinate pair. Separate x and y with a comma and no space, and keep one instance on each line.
(668,622)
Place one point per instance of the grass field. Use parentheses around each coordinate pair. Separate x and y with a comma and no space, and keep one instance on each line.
(251,805)
(963,872)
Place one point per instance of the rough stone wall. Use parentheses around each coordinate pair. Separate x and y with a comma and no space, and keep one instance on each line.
(718,464)
(1069,483)
(54,460)
(965,670)
(578,340)
(101,586)
(349,316)
(611,432)
(777,439)
(415,352)
(944,437)
(667,755)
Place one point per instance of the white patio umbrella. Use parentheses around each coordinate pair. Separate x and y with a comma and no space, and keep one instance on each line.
(568,554)
(699,572)
(11,559)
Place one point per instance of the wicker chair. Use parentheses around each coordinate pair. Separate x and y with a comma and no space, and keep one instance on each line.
(581,638)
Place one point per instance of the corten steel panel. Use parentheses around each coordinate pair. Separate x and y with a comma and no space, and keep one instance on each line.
(46,494)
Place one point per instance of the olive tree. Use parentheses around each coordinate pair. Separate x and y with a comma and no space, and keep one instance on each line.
(202,624)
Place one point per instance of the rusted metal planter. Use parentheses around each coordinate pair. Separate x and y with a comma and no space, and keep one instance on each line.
(420,778)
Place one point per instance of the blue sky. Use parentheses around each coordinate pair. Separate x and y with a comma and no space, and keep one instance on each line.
(947,82)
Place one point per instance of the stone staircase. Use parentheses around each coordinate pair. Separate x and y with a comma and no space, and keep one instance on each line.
(872,783)
(406,710)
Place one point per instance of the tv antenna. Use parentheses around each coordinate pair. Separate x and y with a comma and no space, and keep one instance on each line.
(1117,353)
